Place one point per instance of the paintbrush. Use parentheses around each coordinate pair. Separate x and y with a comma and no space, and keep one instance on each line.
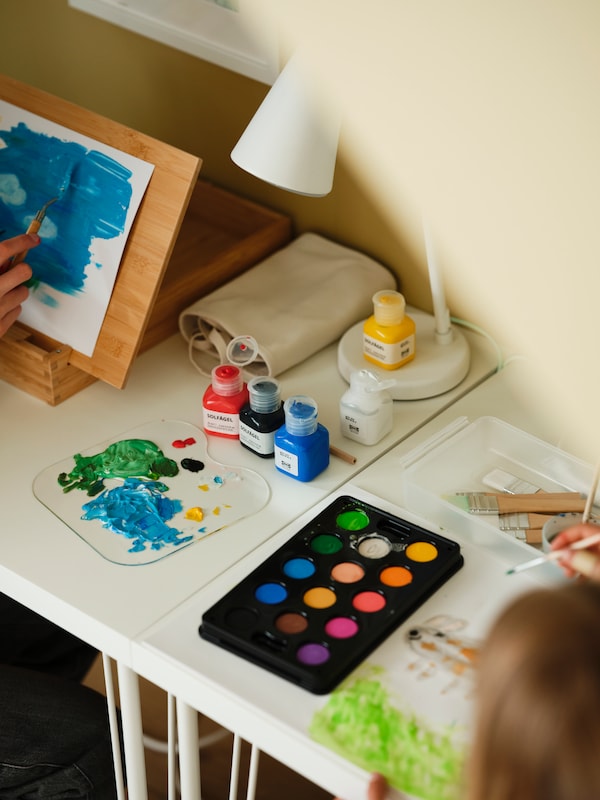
(591,496)
(539,503)
(553,555)
(34,227)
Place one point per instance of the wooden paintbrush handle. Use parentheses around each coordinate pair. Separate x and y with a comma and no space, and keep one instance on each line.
(540,503)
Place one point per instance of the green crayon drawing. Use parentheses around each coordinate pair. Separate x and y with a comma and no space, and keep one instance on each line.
(362,724)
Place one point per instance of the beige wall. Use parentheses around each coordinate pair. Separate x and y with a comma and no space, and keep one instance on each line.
(182,100)
(485,115)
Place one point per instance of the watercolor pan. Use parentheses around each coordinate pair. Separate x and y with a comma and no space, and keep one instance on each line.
(327,598)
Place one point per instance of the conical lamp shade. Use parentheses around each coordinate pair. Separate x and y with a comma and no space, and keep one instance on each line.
(288,143)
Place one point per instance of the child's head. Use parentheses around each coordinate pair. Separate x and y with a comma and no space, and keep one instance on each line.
(537,733)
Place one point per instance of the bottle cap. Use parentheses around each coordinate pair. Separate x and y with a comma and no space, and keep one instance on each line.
(366,382)
(264,394)
(388,307)
(227,380)
(300,415)
(242,350)
(367,389)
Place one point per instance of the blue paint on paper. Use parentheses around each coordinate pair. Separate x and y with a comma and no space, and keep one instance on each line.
(139,511)
(93,190)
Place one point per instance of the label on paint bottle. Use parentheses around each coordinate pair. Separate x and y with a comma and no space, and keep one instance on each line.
(286,461)
(395,353)
(257,440)
(221,422)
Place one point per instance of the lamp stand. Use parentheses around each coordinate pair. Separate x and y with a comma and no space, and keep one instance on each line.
(436,368)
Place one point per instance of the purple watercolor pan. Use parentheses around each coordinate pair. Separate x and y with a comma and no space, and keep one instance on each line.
(323,601)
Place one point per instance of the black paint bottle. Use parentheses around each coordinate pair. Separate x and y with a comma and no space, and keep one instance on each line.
(261,416)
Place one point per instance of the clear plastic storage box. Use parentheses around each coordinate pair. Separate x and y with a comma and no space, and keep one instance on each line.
(459,458)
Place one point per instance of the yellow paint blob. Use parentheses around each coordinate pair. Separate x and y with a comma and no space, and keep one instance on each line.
(195,513)
(203,487)
(319,597)
(421,551)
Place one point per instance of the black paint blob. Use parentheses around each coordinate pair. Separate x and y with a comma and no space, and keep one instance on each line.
(192,464)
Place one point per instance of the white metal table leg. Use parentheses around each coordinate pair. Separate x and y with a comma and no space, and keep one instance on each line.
(133,736)
(189,755)
(253,773)
(114,725)
(171,749)
(235,766)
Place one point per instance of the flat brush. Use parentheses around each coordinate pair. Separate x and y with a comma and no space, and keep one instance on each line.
(538,503)
(34,227)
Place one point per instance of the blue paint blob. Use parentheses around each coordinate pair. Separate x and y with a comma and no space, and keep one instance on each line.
(138,510)
(271,593)
(299,568)
(93,191)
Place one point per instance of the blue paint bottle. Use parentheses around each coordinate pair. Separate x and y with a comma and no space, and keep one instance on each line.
(302,443)
(261,416)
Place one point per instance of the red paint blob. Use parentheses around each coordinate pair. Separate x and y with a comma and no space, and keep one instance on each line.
(179,443)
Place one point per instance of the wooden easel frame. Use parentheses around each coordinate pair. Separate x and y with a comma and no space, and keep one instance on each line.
(23,360)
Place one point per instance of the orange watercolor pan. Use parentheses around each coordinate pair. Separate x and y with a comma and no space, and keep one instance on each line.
(319,605)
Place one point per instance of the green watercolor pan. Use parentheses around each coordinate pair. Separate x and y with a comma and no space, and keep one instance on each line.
(326,599)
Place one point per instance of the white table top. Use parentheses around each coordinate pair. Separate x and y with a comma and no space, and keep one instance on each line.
(46,566)
(271,712)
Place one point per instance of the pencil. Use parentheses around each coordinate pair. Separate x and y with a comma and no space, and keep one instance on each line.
(347,457)
(553,555)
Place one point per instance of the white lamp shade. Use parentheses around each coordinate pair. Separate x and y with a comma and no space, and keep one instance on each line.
(288,143)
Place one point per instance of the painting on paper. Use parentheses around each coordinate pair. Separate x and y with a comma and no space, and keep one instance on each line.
(96,192)
(407,712)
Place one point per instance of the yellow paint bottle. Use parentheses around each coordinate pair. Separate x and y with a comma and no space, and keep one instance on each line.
(389,334)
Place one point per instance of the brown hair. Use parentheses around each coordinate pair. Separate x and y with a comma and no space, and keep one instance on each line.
(537,728)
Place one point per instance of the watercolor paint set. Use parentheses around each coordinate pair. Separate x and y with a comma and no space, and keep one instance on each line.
(326,599)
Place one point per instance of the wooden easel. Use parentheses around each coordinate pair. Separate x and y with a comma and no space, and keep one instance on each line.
(49,369)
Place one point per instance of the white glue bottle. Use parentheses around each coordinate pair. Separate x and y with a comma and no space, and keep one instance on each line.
(366,408)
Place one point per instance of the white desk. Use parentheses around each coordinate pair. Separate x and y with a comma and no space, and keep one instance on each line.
(264,709)
(45,566)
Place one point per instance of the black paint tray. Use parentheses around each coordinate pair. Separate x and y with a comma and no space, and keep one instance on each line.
(324,600)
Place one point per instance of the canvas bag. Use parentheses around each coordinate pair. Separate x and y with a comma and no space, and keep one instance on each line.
(294,303)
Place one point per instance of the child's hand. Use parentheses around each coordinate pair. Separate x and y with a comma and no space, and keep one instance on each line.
(13,292)
(579,562)
(377,788)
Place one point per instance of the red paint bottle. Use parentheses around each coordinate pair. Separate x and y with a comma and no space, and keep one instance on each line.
(228,392)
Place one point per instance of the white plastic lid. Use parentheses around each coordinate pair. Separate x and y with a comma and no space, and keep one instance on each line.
(388,307)
(242,350)
(367,389)
(366,382)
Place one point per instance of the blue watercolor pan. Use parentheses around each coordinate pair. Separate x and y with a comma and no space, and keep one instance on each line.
(327,598)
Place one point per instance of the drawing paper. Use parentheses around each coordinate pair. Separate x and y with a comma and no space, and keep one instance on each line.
(98,190)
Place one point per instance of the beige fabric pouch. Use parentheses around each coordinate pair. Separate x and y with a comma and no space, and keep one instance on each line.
(294,303)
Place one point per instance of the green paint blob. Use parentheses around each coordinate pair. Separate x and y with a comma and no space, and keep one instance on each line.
(128,458)
(326,544)
(361,723)
(354,520)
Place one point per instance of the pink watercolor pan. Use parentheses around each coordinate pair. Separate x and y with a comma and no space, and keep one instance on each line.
(326,599)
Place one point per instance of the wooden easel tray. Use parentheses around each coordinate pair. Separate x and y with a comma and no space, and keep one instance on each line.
(32,362)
